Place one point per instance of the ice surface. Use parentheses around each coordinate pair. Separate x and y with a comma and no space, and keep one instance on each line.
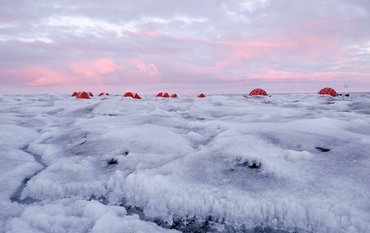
(241,162)
(69,215)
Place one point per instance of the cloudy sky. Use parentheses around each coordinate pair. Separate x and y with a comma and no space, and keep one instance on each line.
(214,46)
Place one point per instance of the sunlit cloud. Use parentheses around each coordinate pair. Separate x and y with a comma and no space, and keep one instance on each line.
(147,69)
(93,68)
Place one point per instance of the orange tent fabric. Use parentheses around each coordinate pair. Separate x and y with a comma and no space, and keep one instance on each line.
(328,91)
(129,94)
(166,95)
(83,95)
(258,92)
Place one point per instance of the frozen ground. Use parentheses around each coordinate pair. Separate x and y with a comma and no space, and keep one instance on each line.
(288,163)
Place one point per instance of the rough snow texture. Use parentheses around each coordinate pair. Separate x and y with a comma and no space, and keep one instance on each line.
(286,162)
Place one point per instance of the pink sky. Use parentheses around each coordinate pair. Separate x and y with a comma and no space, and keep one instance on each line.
(185,47)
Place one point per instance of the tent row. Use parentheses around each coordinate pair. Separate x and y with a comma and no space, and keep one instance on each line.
(254,92)
(88,95)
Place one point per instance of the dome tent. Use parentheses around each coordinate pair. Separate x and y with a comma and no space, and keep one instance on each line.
(166,95)
(136,96)
(91,94)
(201,95)
(128,94)
(132,95)
(83,95)
(75,94)
(258,92)
(328,91)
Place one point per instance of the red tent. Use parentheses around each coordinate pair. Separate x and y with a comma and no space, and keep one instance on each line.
(201,95)
(129,94)
(258,92)
(83,95)
(166,95)
(160,94)
(102,93)
(174,96)
(91,94)
(137,96)
(328,91)
(75,94)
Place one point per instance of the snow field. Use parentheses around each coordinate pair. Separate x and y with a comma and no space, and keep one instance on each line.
(246,162)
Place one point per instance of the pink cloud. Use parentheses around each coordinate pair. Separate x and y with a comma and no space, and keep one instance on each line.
(307,46)
(147,69)
(149,33)
(74,74)
(40,76)
(235,54)
(105,65)
(44,76)
(4,19)
(82,69)
(93,68)
(86,73)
